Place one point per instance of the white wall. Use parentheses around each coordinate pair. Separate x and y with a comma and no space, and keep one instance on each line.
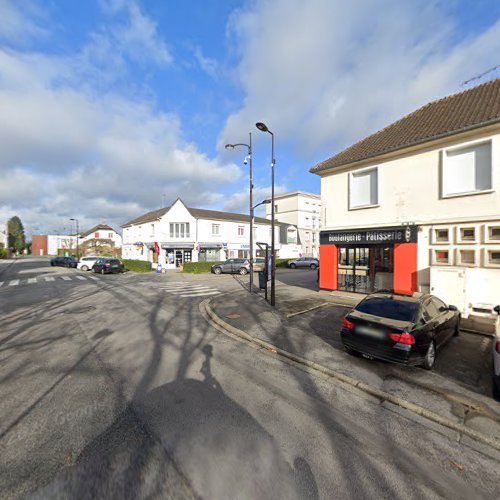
(409,190)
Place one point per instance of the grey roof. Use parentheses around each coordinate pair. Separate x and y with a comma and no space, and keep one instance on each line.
(197,213)
(467,110)
(97,228)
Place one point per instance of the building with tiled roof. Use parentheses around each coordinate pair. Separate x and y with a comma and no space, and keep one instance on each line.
(177,234)
(416,205)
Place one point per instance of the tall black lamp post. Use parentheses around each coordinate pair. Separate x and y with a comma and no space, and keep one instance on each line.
(249,148)
(263,128)
(77,232)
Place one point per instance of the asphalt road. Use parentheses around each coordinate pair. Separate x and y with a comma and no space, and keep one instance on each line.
(117,387)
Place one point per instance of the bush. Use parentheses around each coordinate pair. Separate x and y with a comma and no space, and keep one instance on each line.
(280,263)
(3,251)
(139,266)
(198,267)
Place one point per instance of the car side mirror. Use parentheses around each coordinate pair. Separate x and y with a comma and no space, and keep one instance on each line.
(497,309)
(452,308)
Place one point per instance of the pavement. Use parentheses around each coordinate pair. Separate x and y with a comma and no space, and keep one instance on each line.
(118,387)
(306,324)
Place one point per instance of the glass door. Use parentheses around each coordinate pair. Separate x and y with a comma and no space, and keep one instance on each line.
(354,269)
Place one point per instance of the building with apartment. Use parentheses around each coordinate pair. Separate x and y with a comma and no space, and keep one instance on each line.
(302,210)
(416,206)
(178,234)
(96,241)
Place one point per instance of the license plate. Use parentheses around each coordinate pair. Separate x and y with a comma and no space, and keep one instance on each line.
(372,332)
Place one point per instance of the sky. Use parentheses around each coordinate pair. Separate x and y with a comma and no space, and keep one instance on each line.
(112,108)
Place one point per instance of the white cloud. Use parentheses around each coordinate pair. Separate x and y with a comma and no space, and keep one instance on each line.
(325,73)
(18,21)
(207,64)
(239,202)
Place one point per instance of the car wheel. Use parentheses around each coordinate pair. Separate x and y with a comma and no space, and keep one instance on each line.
(313,266)
(352,352)
(496,390)
(243,271)
(85,268)
(292,266)
(217,270)
(457,328)
(430,356)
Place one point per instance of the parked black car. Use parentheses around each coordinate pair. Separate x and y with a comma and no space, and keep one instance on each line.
(400,328)
(105,266)
(64,262)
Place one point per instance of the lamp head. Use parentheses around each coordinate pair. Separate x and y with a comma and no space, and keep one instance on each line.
(262,127)
(245,161)
(229,146)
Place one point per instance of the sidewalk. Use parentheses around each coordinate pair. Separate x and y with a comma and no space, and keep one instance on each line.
(289,328)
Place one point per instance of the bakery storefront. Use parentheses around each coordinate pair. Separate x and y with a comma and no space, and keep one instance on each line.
(367,260)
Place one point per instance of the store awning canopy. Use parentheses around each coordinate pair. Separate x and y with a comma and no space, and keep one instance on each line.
(211,245)
(177,246)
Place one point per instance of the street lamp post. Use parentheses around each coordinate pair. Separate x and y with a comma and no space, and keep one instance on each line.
(263,128)
(249,148)
(77,231)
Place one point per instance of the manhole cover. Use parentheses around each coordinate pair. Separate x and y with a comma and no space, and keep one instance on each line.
(232,316)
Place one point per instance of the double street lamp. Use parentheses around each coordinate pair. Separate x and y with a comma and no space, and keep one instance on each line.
(77,231)
(263,128)
(249,149)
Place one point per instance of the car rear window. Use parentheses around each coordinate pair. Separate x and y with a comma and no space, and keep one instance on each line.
(399,310)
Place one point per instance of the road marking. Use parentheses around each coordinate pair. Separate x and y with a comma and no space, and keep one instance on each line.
(14,283)
(49,278)
(1,283)
(202,294)
(93,278)
(197,290)
(194,287)
(31,280)
(66,278)
(81,278)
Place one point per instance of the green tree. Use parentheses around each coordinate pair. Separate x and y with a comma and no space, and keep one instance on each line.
(15,228)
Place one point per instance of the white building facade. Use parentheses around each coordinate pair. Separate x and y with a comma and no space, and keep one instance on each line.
(302,210)
(175,235)
(424,216)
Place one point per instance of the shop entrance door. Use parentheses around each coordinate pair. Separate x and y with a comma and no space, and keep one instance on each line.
(353,269)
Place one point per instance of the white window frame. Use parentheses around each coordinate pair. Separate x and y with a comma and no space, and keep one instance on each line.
(241,231)
(467,145)
(487,231)
(487,257)
(465,241)
(215,229)
(434,260)
(350,185)
(459,253)
(434,237)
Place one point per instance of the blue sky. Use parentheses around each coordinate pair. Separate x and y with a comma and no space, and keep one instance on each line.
(108,105)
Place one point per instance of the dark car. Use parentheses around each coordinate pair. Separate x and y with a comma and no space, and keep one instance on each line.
(400,328)
(240,266)
(64,262)
(105,266)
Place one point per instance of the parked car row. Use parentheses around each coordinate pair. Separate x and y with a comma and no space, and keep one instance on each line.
(103,265)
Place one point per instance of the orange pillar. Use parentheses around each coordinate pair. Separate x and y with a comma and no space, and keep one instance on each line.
(405,267)
(328,255)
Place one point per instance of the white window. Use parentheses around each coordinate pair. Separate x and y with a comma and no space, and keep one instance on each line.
(307,236)
(179,229)
(493,257)
(110,236)
(466,170)
(241,230)
(441,257)
(363,188)
(215,229)
(442,235)
(492,233)
(466,257)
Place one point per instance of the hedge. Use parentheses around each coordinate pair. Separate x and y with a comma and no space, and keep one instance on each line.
(139,266)
(282,262)
(198,267)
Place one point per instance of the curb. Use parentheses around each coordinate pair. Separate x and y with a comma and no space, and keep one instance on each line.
(368,389)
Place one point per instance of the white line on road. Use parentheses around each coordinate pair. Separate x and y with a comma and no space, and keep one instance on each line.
(93,278)
(200,290)
(202,294)
(186,288)
(81,278)
(66,278)
(1,283)
(31,280)
(49,278)
(14,283)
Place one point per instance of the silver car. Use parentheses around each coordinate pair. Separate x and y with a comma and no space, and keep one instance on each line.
(309,262)
(231,266)
(496,355)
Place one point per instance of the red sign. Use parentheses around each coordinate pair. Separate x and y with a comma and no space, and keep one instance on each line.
(157,248)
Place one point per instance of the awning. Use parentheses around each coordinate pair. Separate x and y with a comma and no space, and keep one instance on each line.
(177,246)
(215,246)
